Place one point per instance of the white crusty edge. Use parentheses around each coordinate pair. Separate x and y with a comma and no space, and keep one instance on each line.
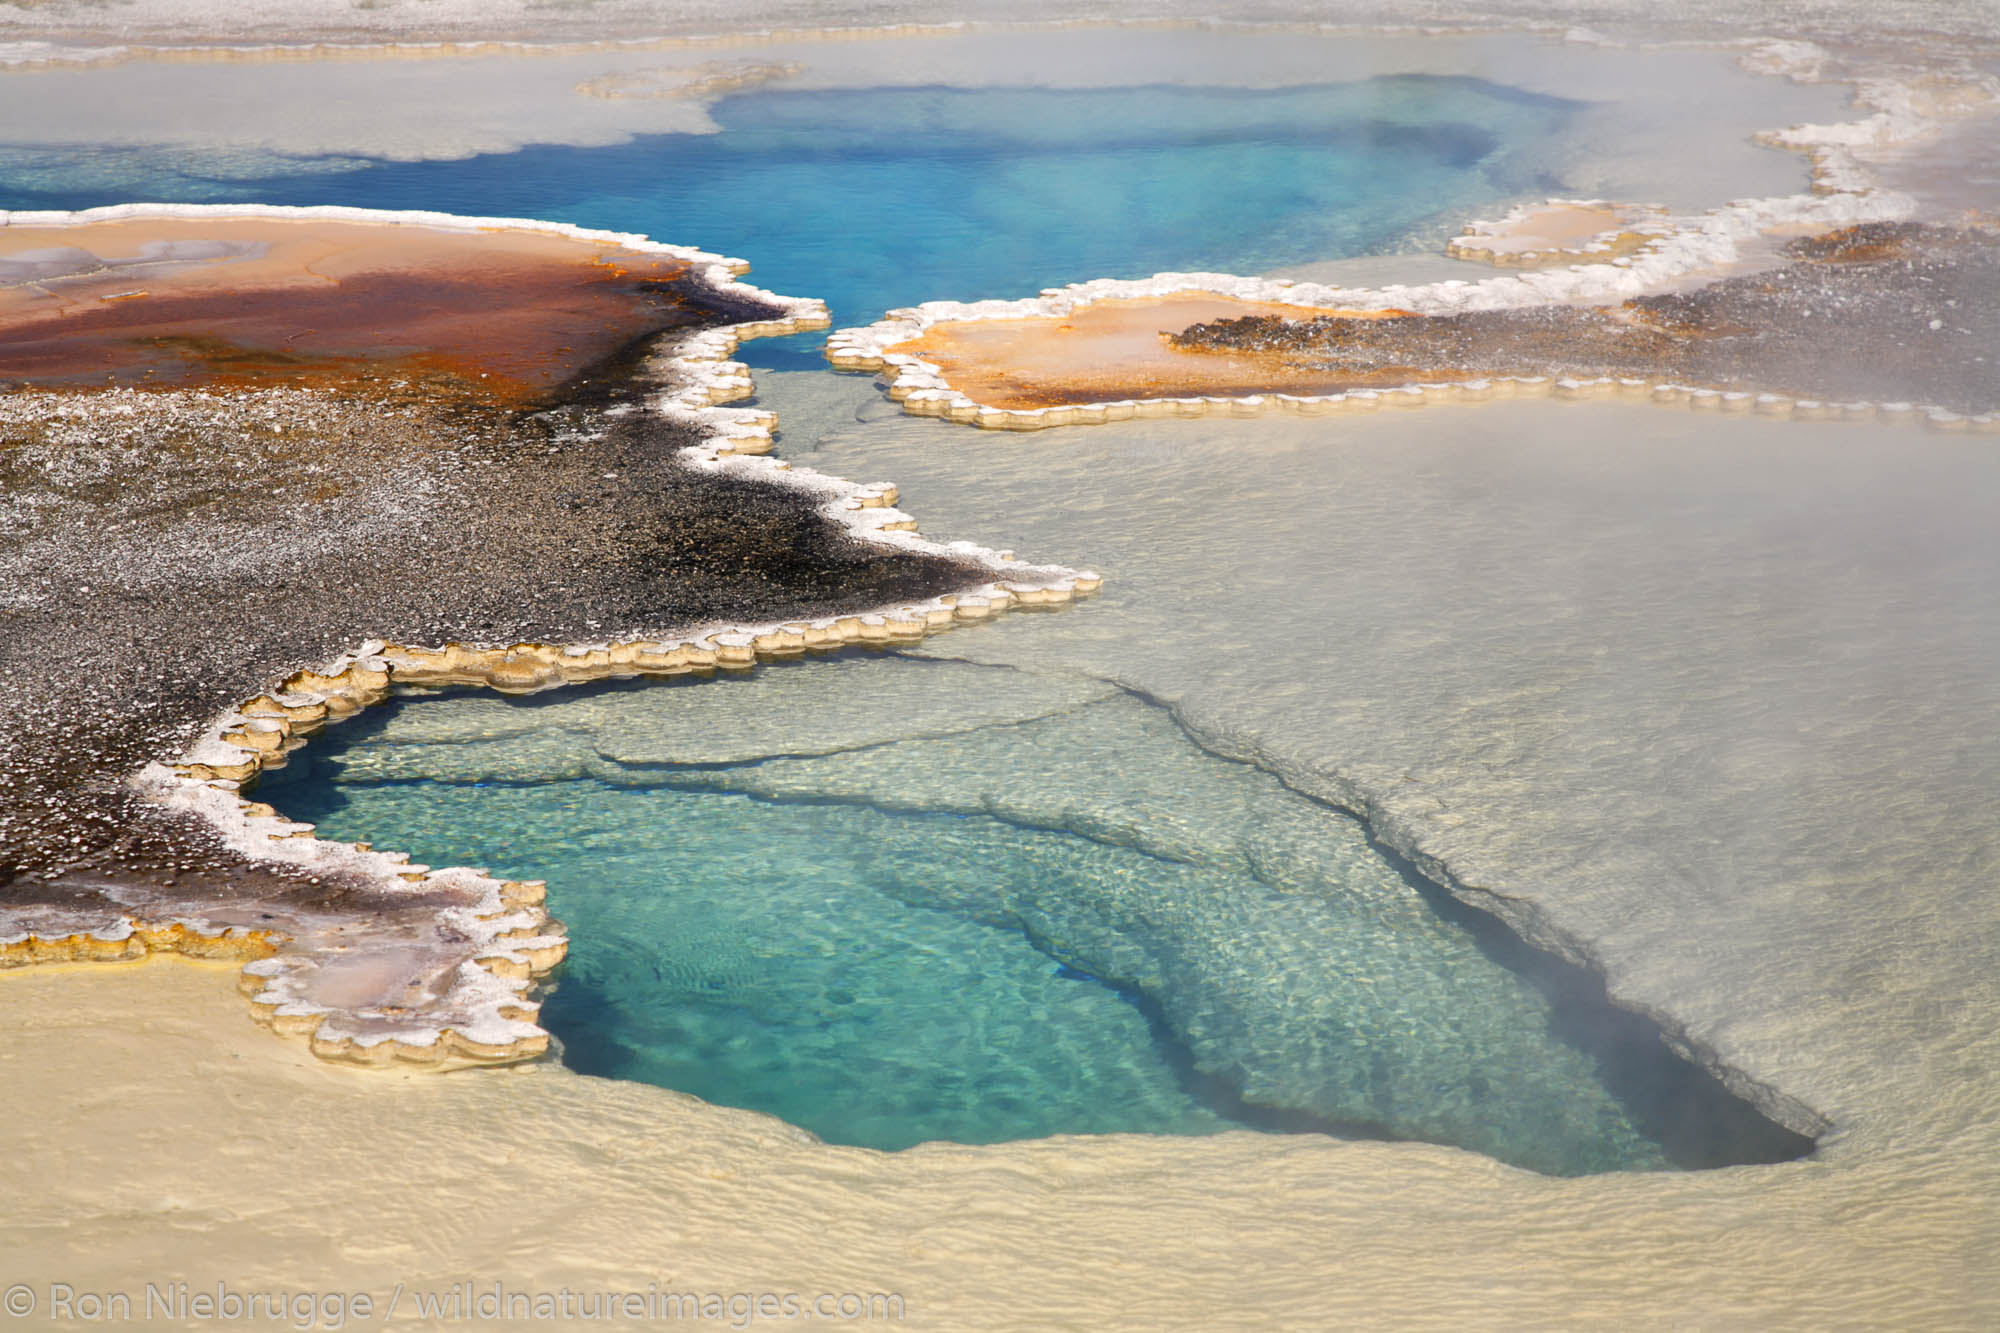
(1636,229)
(485,1013)
(1844,194)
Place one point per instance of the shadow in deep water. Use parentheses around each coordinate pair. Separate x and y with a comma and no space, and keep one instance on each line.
(1697,1121)
(584,1013)
(1213,1089)
(930,962)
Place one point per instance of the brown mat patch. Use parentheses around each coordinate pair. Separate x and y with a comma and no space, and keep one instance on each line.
(1109,350)
(501,315)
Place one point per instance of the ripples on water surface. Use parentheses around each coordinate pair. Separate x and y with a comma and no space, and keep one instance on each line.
(893,901)
(900,901)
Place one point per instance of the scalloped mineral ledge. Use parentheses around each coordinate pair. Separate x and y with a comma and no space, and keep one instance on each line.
(1539,235)
(438,971)
(449,984)
(951,359)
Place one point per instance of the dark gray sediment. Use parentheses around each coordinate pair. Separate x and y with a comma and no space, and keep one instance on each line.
(1877,312)
(165,555)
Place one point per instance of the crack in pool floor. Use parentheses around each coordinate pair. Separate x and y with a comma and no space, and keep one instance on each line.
(883,943)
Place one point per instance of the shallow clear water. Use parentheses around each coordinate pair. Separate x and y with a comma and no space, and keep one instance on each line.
(875,198)
(898,900)
(892,902)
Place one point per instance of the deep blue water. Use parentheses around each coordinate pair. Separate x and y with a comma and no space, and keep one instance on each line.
(872,199)
(1168,943)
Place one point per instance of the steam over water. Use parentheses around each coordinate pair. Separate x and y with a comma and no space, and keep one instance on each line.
(1702,700)
(874,198)
(1027,927)
(1063,915)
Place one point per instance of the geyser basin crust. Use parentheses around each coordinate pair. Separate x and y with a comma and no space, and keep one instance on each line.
(1888,1229)
(1912,304)
(223,545)
(1857,322)
(1558,231)
(1108,350)
(1868,313)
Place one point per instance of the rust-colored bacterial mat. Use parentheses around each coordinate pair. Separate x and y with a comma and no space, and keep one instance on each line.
(498,314)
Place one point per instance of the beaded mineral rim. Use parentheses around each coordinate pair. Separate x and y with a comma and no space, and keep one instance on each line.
(481,941)
(1660,251)
(503,936)
(1534,235)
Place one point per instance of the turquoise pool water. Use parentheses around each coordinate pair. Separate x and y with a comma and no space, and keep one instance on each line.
(898,900)
(876,198)
(894,901)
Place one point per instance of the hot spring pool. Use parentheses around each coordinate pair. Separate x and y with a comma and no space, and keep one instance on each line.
(873,198)
(896,901)
(899,900)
